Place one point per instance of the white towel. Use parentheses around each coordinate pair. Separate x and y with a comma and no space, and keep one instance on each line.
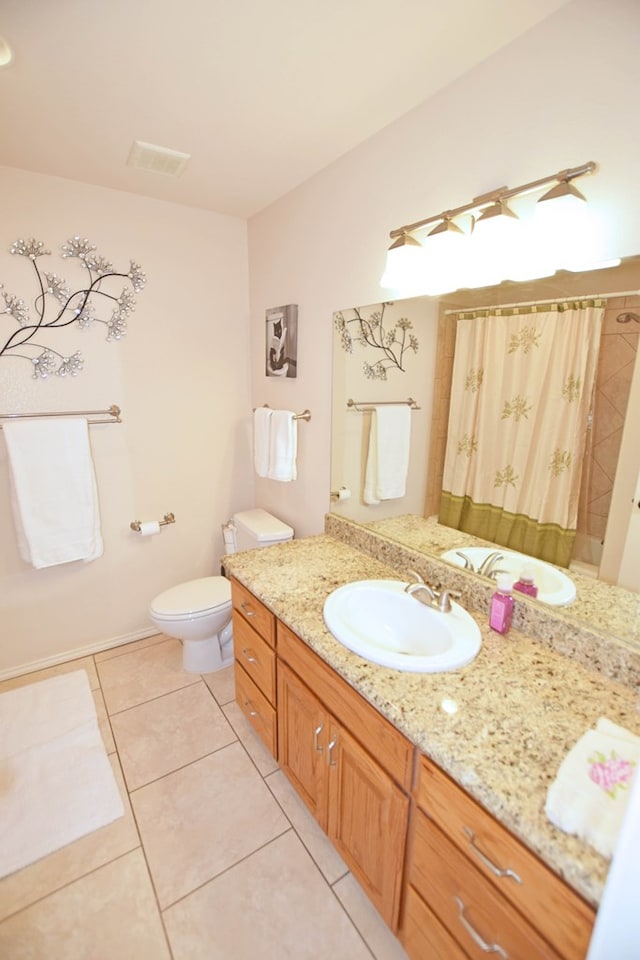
(589,795)
(388,458)
(283,446)
(54,493)
(261,439)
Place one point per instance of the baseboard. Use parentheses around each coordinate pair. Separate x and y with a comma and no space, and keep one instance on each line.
(76,653)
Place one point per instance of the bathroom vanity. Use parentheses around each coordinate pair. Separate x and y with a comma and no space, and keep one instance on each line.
(430,786)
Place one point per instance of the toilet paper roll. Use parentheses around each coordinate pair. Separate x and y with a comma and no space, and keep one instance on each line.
(149,527)
(344,493)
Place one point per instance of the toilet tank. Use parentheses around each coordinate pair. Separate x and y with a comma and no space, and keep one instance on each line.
(257,528)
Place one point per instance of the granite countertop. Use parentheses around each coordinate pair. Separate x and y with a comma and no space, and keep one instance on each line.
(520,704)
(605,607)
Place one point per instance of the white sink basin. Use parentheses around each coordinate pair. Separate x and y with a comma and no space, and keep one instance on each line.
(554,586)
(379,621)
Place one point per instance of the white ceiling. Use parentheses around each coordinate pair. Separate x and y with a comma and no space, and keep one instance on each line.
(261,93)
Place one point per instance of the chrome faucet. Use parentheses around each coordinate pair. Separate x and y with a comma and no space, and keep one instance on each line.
(489,563)
(467,563)
(439,600)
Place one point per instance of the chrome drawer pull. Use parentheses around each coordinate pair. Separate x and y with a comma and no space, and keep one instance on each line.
(496,871)
(332,743)
(247,653)
(475,936)
(316,734)
(245,609)
(249,705)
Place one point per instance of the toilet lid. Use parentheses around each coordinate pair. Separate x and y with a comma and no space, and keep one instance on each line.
(192,597)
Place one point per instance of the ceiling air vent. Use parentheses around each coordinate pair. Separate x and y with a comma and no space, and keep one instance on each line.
(148,156)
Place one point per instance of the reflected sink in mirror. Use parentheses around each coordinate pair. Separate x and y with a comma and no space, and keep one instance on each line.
(554,586)
(380,622)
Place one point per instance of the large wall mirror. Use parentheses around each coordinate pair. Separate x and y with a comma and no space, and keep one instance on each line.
(407,355)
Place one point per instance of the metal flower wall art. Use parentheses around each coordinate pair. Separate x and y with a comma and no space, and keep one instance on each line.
(58,305)
(392,342)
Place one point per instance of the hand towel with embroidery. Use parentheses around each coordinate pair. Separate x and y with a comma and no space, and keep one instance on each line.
(588,798)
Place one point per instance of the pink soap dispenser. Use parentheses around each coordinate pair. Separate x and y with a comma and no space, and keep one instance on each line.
(525,584)
(501,610)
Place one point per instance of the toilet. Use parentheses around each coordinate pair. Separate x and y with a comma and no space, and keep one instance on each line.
(198,612)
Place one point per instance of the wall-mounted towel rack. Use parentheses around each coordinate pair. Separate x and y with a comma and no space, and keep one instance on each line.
(361,405)
(112,415)
(305,415)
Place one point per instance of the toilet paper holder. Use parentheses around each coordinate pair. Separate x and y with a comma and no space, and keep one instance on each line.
(168,518)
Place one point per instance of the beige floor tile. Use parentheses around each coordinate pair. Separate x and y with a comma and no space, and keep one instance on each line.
(125,648)
(83,663)
(103,721)
(110,914)
(254,746)
(142,675)
(222,684)
(306,826)
(164,734)
(274,904)
(372,927)
(204,818)
(73,861)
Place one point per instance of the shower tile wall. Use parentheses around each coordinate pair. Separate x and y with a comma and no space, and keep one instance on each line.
(618,348)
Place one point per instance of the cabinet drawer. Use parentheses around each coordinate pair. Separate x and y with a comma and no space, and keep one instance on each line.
(478,917)
(423,936)
(386,744)
(261,619)
(544,899)
(256,709)
(256,656)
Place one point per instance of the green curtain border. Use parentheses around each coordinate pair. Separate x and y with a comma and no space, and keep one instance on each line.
(547,541)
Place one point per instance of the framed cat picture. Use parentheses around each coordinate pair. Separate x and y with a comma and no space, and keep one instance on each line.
(281,342)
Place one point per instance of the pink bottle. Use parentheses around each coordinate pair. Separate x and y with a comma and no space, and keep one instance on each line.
(525,584)
(501,610)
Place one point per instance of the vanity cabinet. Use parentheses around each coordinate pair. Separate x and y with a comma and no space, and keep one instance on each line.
(330,750)
(466,887)
(487,891)
(254,638)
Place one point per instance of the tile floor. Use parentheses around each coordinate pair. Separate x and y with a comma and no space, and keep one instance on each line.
(216,858)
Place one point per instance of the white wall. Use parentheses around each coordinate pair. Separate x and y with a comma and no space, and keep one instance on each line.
(563,94)
(181,378)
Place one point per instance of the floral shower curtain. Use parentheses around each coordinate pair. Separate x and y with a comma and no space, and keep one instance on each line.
(520,401)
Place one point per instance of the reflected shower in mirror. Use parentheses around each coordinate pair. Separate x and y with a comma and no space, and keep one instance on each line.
(611,462)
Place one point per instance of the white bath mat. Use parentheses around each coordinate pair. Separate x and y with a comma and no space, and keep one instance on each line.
(56,781)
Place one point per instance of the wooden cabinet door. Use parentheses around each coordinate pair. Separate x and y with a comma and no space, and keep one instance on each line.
(367,821)
(302,741)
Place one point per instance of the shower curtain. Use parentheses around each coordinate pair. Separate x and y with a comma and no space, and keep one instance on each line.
(520,402)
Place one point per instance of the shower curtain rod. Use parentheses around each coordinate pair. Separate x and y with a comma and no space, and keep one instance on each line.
(541,303)
(113,415)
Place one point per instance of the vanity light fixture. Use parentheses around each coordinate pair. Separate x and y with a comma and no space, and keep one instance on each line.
(563,189)
(412,265)
(6,54)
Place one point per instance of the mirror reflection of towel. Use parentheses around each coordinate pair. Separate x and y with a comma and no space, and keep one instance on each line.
(388,459)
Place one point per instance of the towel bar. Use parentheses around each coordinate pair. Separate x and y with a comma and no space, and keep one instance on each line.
(361,405)
(112,415)
(305,415)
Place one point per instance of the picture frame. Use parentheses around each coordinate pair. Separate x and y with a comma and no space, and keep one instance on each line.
(281,342)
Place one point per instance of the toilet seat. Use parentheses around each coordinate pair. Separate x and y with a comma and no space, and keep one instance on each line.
(193,599)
